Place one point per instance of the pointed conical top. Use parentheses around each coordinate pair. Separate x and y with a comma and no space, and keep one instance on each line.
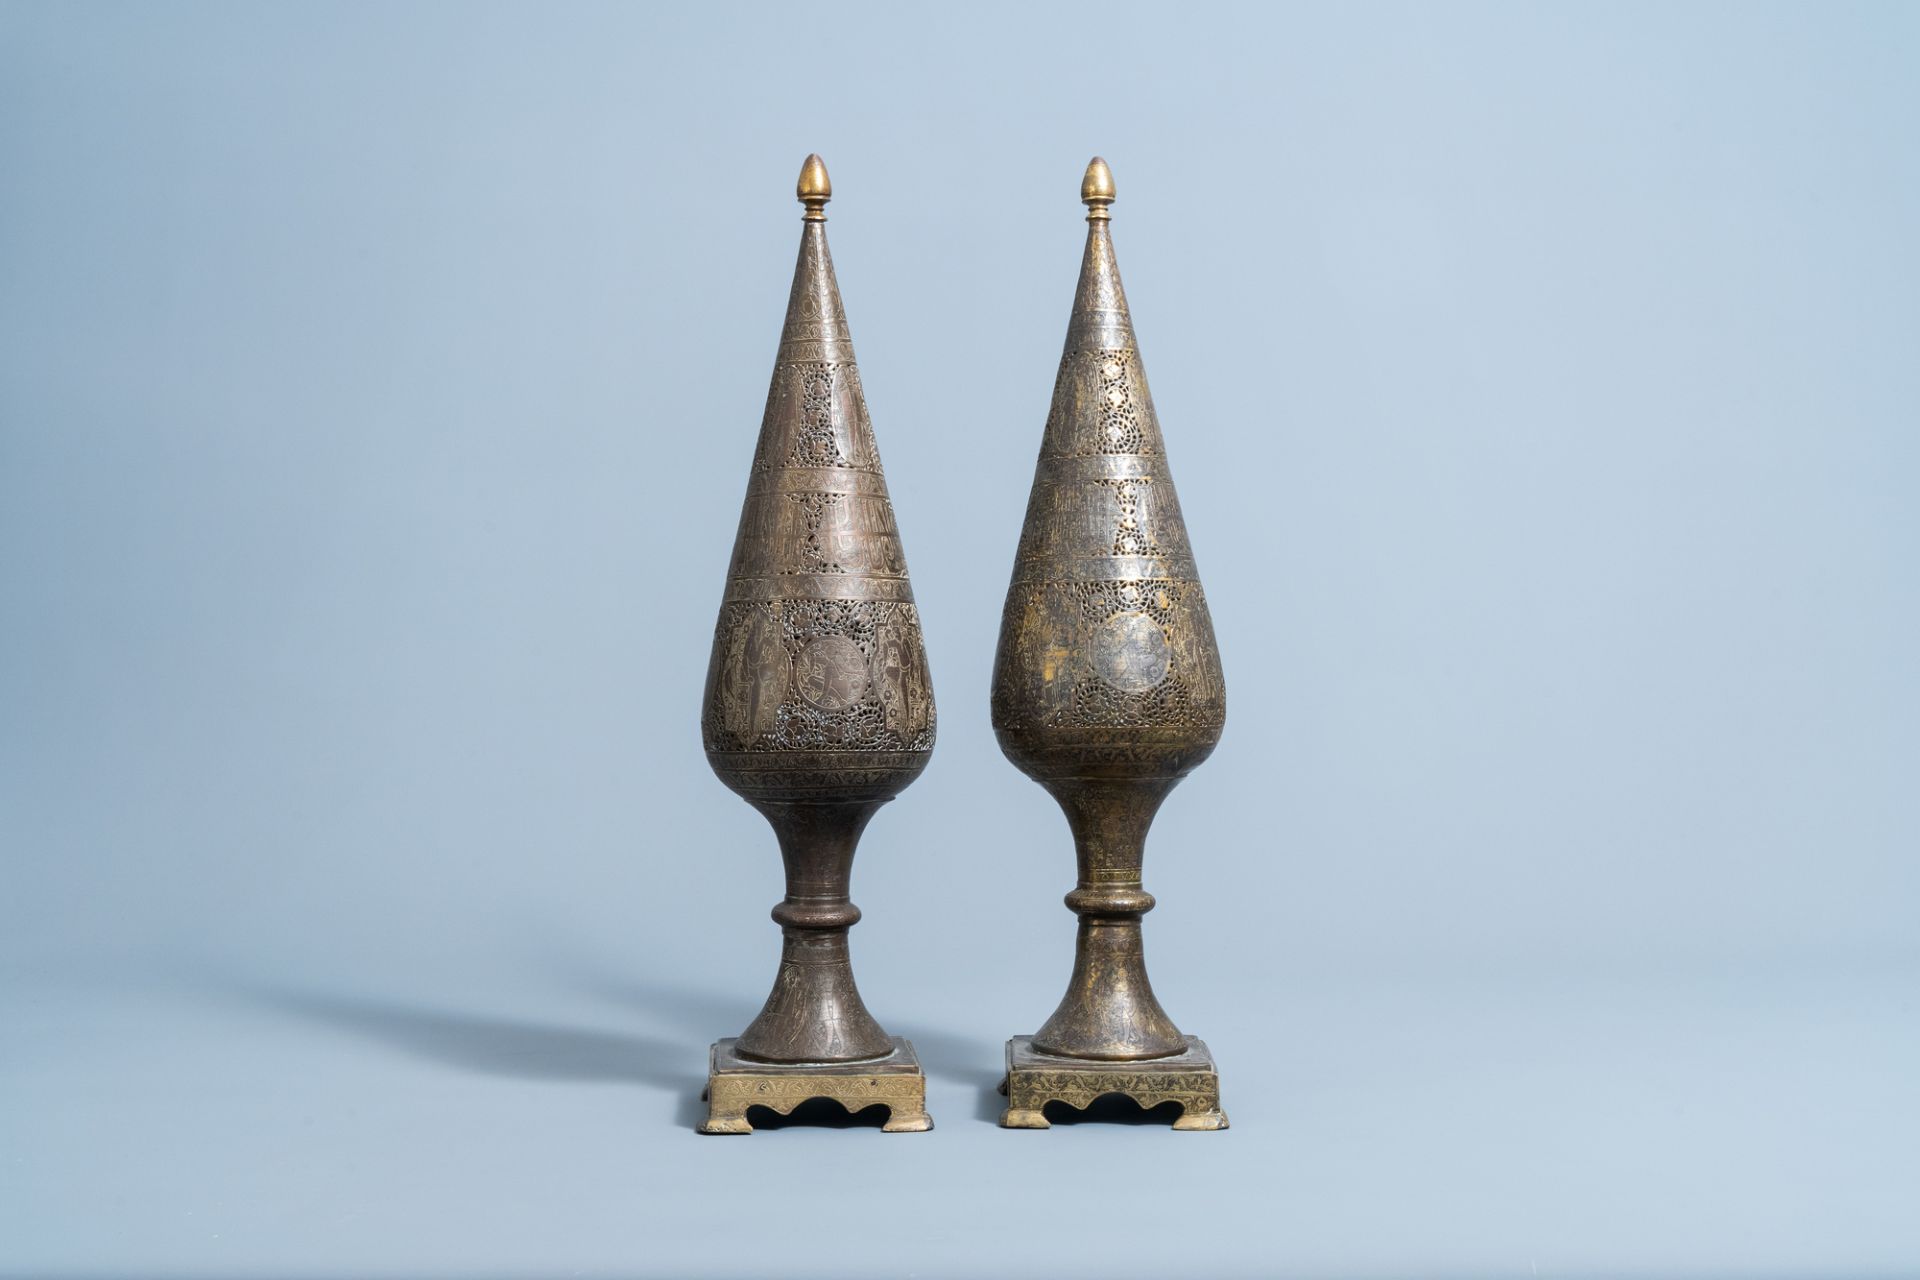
(1099,320)
(814,188)
(1096,189)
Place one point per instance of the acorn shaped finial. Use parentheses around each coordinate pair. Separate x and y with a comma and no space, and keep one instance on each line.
(1096,189)
(814,188)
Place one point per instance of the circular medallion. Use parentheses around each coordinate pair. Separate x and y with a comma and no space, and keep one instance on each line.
(831,672)
(1131,653)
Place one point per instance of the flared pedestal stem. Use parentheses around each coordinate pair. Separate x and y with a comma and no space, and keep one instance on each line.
(1109,1012)
(814,1013)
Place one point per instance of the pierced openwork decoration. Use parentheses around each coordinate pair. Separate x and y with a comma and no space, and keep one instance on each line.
(1101,405)
(1107,691)
(818,707)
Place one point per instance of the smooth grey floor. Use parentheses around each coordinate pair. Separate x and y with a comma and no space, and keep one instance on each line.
(1484,1123)
(378,386)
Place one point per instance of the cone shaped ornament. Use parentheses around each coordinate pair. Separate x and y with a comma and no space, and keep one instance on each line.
(818,707)
(1107,691)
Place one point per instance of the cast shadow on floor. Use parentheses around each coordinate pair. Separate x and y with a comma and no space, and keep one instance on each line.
(526,1049)
(520,1049)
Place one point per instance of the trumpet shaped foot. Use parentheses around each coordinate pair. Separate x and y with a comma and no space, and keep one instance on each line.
(895,1081)
(1034,1079)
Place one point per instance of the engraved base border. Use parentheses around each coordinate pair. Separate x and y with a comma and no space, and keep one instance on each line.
(1034,1079)
(735,1083)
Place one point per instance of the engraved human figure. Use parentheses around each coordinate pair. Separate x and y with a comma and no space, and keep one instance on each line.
(770,682)
(832,673)
(894,671)
(1131,652)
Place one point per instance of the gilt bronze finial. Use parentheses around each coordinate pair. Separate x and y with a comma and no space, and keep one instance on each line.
(814,189)
(1096,190)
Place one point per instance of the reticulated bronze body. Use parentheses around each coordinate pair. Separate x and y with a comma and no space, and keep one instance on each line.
(1107,691)
(818,707)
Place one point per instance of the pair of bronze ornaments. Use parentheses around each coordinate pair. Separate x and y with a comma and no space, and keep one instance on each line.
(1107,690)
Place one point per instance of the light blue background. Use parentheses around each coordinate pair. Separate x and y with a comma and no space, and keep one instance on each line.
(377,388)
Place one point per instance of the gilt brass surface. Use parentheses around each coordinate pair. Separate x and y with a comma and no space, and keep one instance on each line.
(736,1084)
(818,706)
(1034,1079)
(1107,686)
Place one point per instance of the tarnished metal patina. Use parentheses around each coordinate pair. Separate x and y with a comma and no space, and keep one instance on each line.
(818,705)
(1107,691)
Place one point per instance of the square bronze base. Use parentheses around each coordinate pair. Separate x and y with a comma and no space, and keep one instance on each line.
(1034,1079)
(735,1083)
